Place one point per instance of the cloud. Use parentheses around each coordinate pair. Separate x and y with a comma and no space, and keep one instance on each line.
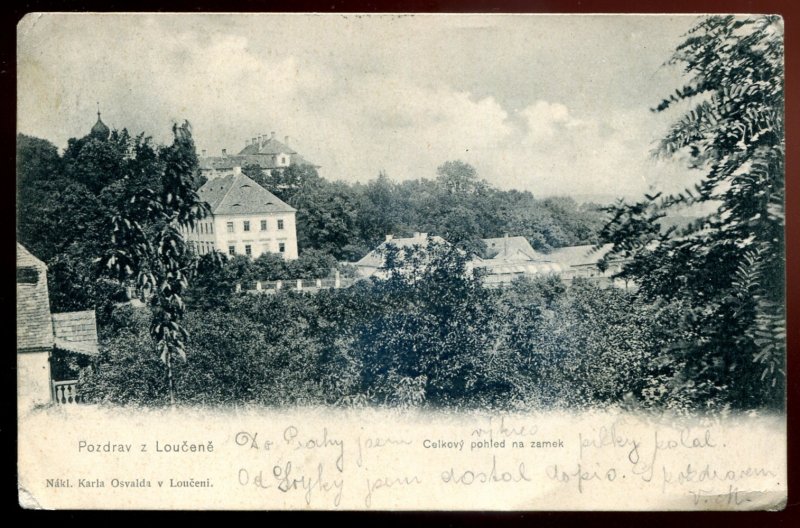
(350,119)
(545,120)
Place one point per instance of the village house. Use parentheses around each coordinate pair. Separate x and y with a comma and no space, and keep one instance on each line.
(245,219)
(508,258)
(50,347)
(263,151)
(516,258)
(372,264)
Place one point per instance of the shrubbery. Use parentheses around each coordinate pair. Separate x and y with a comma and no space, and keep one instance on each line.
(432,336)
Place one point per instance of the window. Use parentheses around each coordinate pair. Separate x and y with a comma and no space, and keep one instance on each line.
(263,225)
(280,224)
(230,227)
(211,225)
(248,250)
(27,275)
(281,247)
(246,225)
(231,250)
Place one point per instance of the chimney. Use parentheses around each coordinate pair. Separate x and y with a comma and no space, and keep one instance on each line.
(259,139)
(246,142)
(254,141)
(224,152)
(423,235)
(389,238)
(237,170)
(272,134)
(286,140)
(204,153)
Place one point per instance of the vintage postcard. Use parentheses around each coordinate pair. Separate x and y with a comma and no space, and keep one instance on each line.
(401,262)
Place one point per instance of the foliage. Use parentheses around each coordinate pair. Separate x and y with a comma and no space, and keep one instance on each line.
(430,337)
(726,269)
(149,247)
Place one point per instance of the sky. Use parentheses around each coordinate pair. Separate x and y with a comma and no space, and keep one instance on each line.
(552,104)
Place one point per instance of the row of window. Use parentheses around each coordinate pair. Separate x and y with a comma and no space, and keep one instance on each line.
(248,249)
(204,228)
(202,247)
(246,225)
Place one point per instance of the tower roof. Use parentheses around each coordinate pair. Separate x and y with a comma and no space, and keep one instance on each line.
(100,130)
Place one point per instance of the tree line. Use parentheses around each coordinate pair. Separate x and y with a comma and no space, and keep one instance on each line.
(704,329)
(347,220)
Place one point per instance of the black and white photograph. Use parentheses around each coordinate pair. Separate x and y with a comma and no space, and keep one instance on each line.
(401,261)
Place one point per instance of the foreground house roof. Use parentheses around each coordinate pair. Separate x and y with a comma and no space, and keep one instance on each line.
(237,194)
(34,327)
(37,328)
(76,332)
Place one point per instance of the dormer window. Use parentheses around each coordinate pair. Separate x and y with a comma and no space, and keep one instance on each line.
(27,275)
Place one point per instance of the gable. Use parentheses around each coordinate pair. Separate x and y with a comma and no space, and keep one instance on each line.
(34,327)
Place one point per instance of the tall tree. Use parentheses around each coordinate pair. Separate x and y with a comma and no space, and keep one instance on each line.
(728,267)
(149,246)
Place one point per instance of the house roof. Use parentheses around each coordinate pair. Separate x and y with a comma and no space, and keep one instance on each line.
(253,155)
(376,258)
(269,147)
(34,327)
(26,259)
(504,267)
(238,194)
(511,248)
(76,332)
(576,255)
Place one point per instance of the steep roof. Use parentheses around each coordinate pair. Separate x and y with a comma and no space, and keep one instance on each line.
(269,147)
(34,327)
(510,248)
(76,332)
(238,194)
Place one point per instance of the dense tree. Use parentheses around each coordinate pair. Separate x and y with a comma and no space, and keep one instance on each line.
(326,218)
(39,185)
(148,245)
(65,205)
(726,268)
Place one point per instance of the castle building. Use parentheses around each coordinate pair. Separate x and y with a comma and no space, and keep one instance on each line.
(246,219)
(263,151)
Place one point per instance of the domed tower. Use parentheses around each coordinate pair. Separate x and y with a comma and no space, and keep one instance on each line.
(100,130)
